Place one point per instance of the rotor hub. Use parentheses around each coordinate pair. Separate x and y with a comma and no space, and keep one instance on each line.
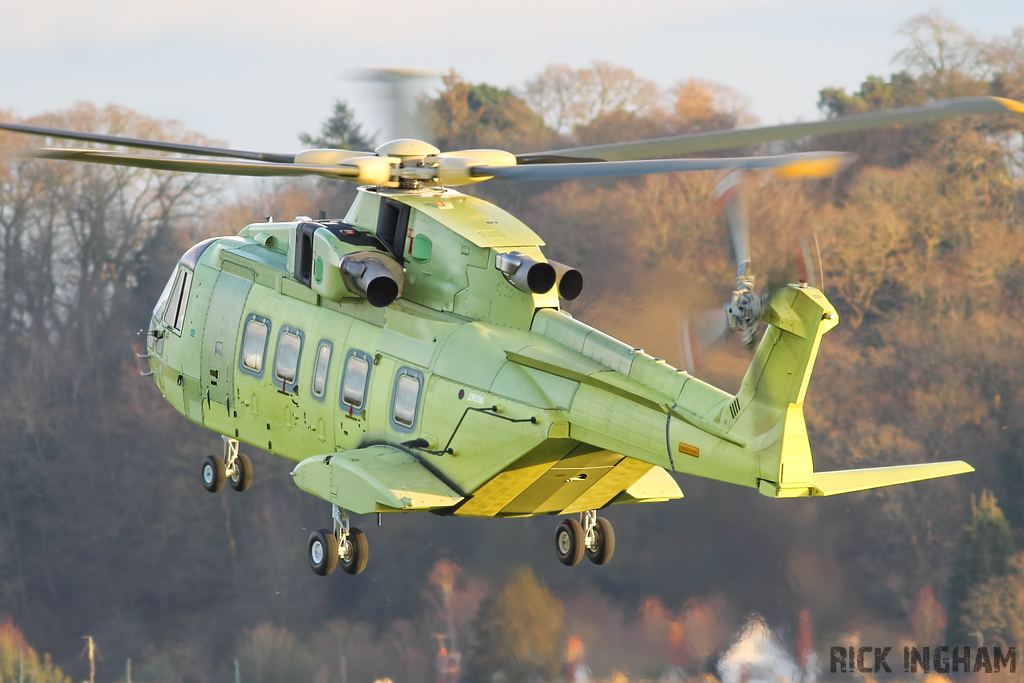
(406,147)
(744,310)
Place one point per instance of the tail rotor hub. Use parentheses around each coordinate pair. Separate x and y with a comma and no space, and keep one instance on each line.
(744,310)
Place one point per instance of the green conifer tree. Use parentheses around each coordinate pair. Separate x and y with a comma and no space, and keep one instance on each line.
(340,131)
(983,553)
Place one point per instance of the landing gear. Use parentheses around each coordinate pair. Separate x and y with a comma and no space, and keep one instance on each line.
(213,474)
(353,552)
(600,538)
(569,542)
(345,546)
(323,552)
(595,538)
(234,467)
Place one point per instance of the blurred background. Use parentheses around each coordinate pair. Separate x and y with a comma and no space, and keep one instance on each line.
(109,545)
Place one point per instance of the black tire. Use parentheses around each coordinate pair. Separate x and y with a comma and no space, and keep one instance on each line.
(355,553)
(569,542)
(241,480)
(604,547)
(322,552)
(213,474)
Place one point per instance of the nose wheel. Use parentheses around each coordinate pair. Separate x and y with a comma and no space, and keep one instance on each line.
(234,468)
(344,547)
(594,538)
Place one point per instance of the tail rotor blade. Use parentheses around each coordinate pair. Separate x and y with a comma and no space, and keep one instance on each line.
(730,194)
(699,332)
(808,257)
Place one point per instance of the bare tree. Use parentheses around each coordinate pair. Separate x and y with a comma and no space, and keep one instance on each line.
(74,237)
(567,98)
(940,50)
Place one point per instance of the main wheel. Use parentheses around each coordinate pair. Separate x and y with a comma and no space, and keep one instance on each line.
(241,480)
(569,542)
(354,553)
(323,552)
(213,474)
(602,542)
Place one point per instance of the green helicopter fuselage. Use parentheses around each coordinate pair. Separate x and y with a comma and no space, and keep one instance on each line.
(467,394)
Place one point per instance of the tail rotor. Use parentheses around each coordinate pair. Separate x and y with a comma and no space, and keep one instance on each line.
(742,312)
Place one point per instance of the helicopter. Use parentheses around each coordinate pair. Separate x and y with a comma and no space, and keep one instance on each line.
(414,356)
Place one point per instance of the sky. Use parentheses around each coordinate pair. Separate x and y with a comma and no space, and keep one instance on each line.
(255,74)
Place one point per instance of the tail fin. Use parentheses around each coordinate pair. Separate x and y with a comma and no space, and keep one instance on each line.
(770,406)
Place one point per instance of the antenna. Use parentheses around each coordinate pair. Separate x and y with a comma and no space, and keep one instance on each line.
(91,648)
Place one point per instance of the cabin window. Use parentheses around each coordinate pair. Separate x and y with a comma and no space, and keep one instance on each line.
(286,362)
(353,386)
(406,399)
(323,362)
(174,315)
(254,345)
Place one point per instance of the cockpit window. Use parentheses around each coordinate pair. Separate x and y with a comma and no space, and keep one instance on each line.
(191,257)
(174,314)
(161,304)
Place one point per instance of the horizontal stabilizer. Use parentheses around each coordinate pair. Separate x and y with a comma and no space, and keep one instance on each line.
(847,481)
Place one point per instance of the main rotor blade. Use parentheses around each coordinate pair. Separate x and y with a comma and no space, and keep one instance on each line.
(156,145)
(808,165)
(726,139)
(402,96)
(244,168)
(391,75)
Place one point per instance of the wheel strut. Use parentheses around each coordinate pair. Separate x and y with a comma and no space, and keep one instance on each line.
(588,520)
(230,454)
(343,545)
(237,466)
(598,537)
(341,524)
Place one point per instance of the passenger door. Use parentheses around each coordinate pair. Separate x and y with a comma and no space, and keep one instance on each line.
(220,338)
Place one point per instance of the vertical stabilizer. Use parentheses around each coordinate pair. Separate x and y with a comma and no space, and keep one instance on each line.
(770,406)
(771,399)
